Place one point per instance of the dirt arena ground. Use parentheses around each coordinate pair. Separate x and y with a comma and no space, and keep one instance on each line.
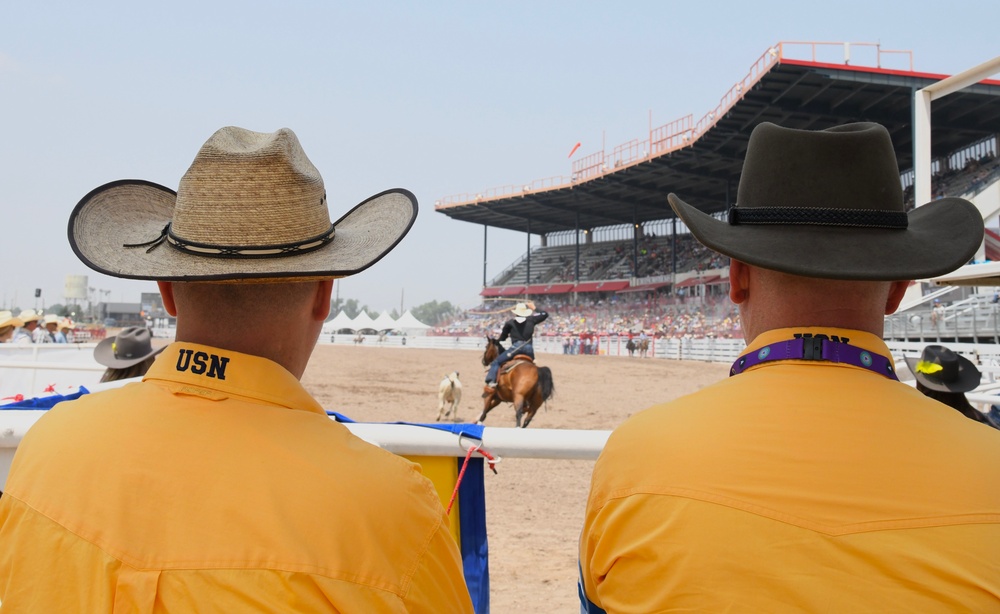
(534,507)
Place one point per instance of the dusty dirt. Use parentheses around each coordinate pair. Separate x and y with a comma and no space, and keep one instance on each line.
(534,507)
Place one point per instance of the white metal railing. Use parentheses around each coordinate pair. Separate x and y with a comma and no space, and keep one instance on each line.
(403,439)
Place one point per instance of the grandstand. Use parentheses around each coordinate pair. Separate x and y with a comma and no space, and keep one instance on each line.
(607,233)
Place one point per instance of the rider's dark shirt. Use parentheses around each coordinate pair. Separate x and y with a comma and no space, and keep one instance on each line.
(522,331)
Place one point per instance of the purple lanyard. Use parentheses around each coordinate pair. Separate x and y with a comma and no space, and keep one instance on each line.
(816,348)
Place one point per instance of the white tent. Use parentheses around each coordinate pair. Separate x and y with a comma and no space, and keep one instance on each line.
(363,321)
(384,322)
(341,322)
(410,325)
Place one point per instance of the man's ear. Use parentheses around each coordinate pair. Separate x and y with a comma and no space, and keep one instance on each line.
(167,294)
(739,281)
(322,300)
(896,292)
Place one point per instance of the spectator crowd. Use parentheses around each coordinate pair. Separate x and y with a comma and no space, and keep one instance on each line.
(591,317)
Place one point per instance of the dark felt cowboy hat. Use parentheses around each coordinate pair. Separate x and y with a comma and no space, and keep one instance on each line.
(829,204)
(129,347)
(252,205)
(941,369)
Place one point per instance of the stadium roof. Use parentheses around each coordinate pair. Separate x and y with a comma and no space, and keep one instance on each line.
(701,161)
(978,274)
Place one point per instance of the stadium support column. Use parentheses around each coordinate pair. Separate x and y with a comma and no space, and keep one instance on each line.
(527,274)
(576,272)
(635,244)
(485,228)
(673,246)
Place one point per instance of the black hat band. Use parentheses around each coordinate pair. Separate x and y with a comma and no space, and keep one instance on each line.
(819,216)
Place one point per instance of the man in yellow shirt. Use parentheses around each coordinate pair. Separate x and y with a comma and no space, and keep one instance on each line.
(811,480)
(217,483)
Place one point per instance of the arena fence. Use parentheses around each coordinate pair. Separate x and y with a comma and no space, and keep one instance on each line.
(704,349)
(36,370)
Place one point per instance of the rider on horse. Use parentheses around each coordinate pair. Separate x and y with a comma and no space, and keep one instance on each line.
(519,329)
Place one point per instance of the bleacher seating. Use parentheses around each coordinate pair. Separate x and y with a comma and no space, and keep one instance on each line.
(609,260)
(976,174)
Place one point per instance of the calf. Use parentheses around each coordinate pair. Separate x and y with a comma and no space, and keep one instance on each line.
(449,396)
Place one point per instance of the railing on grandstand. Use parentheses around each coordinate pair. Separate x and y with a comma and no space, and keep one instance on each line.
(682,132)
(843,53)
(972,319)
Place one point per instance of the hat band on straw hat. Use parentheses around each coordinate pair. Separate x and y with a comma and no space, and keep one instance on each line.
(819,216)
(233,251)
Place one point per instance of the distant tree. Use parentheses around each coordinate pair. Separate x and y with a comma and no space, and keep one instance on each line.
(335,306)
(434,313)
(394,314)
(349,306)
(60,310)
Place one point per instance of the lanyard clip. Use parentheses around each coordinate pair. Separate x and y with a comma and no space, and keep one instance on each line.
(812,348)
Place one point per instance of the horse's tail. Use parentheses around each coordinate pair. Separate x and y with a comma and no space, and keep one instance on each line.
(545,383)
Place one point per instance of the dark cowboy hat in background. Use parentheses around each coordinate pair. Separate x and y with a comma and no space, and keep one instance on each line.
(941,369)
(829,204)
(251,205)
(129,347)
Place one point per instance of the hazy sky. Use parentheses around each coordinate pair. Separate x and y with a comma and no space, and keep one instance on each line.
(441,98)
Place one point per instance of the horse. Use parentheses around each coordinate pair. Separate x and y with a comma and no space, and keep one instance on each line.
(449,396)
(643,346)
(520,382)
(359,338)
(630,346)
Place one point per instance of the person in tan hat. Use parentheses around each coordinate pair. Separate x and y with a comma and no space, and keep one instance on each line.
(811,480)
(50,326)
(65,332)
(29,331)
(519,330)
(223,485)
(8,323)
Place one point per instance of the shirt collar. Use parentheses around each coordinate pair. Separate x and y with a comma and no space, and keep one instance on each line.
(858,338)
(216,374)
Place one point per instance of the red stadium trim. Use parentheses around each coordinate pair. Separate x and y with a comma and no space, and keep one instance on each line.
(879,71)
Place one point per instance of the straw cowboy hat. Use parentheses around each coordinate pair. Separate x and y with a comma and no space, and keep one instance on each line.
(129,347)
(522,309)
(7,319)
(829,204)
(29,315)
(50,318)
(941,369)
(251,205)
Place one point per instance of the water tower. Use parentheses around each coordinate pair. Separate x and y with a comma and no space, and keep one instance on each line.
(74,292)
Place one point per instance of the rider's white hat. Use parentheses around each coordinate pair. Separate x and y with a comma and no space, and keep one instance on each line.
(522,309)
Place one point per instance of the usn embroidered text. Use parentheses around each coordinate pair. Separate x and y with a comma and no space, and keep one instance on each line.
(200,362)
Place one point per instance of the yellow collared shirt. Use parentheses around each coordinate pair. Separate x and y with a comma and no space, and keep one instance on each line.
(802,486)
(218,485)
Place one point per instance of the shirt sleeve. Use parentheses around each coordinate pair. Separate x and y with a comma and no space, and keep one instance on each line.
(540,317)
(506,331)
